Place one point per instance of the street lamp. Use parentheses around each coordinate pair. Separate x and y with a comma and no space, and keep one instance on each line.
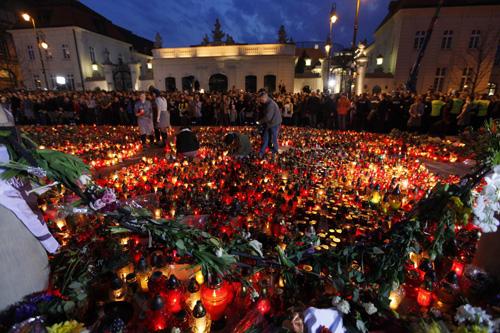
(40,44)
(328,47)
(380,60)
(333,14)
(149,64)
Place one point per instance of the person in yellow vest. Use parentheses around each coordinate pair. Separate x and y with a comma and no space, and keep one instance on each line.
(436,109)
(482,105)
(456,109)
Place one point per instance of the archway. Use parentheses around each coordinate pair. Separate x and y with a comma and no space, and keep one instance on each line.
(188,83)
(170,85)
(270,83)
(376,90)
(218,82)
(122,80)
(251,83)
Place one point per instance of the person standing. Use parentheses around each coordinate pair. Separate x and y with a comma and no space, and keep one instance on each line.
(482,106)
(343,106)
(271,119)
(456,108)
(288,112)
(144,112)
(163,117)
(437,106)
(416,112)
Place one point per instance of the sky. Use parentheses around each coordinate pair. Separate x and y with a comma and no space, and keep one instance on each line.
(185,22)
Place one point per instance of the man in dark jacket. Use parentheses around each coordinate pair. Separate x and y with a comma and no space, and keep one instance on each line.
(272,120)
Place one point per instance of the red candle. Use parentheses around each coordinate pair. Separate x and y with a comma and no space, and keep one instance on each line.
(216,297)
(174,297)
(424,297)
(458,268)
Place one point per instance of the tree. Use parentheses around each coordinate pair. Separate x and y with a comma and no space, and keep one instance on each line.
(282,37)
(478,60)
(230,40)
(301,63)
(217,33)
(205,41)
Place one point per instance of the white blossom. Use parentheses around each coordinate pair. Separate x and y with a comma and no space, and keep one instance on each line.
(219,252)
(336,300)
(256,246)
(84,179)
(370,308)
(487,205)
(469,315)
(344,307)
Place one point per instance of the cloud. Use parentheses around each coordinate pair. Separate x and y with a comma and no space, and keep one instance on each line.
(185,22)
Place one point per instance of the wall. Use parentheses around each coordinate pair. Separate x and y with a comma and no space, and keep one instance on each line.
(235,62)
(58,65)
(400,55)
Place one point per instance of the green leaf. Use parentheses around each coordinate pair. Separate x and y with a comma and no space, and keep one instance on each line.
(180,244)
(68,306)
(377,250)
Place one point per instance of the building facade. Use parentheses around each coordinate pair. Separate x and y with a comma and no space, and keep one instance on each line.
(219,68)
(82,50)
(9,66)
(461,55)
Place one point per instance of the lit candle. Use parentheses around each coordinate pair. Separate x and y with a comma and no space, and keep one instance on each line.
(200,322)
(396,297)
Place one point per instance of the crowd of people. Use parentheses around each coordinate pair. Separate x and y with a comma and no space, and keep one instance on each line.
(434,113)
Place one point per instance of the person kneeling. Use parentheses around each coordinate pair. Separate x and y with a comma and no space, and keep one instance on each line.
(239,144)
(187,143)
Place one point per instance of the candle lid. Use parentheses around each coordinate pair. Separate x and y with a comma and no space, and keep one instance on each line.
(172,282)
(199,310)
(157,303)
(193,286)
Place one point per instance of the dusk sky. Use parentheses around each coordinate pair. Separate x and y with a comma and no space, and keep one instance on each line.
(183,23)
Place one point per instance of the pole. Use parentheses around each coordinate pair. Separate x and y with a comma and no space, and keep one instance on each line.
(411,84)
(40,53)
(356,25)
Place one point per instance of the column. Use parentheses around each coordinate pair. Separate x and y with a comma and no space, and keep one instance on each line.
(361,71)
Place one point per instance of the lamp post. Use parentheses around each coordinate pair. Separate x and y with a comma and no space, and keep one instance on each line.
(328,47)
(329,41)
(40,44)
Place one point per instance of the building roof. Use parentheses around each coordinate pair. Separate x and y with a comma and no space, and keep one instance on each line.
(396,5)
(61,13)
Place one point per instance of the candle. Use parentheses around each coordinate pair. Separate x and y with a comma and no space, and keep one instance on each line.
(396,297)
(200,323)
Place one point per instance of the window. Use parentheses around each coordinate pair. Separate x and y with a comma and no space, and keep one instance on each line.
(4,49)
(170,84)
(446,41)
(70,81)
(466,77)
(270,83)
(31,52)
(92,54)
(53,81)
(251,83)
(36,80)
(497,55)
(419,39)
(474,39)
(65,51)
(439,79)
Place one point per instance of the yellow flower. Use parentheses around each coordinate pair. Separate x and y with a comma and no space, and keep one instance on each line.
(66,327)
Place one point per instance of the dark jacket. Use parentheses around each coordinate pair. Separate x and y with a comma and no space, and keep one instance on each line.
(186,141)
(272,114)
